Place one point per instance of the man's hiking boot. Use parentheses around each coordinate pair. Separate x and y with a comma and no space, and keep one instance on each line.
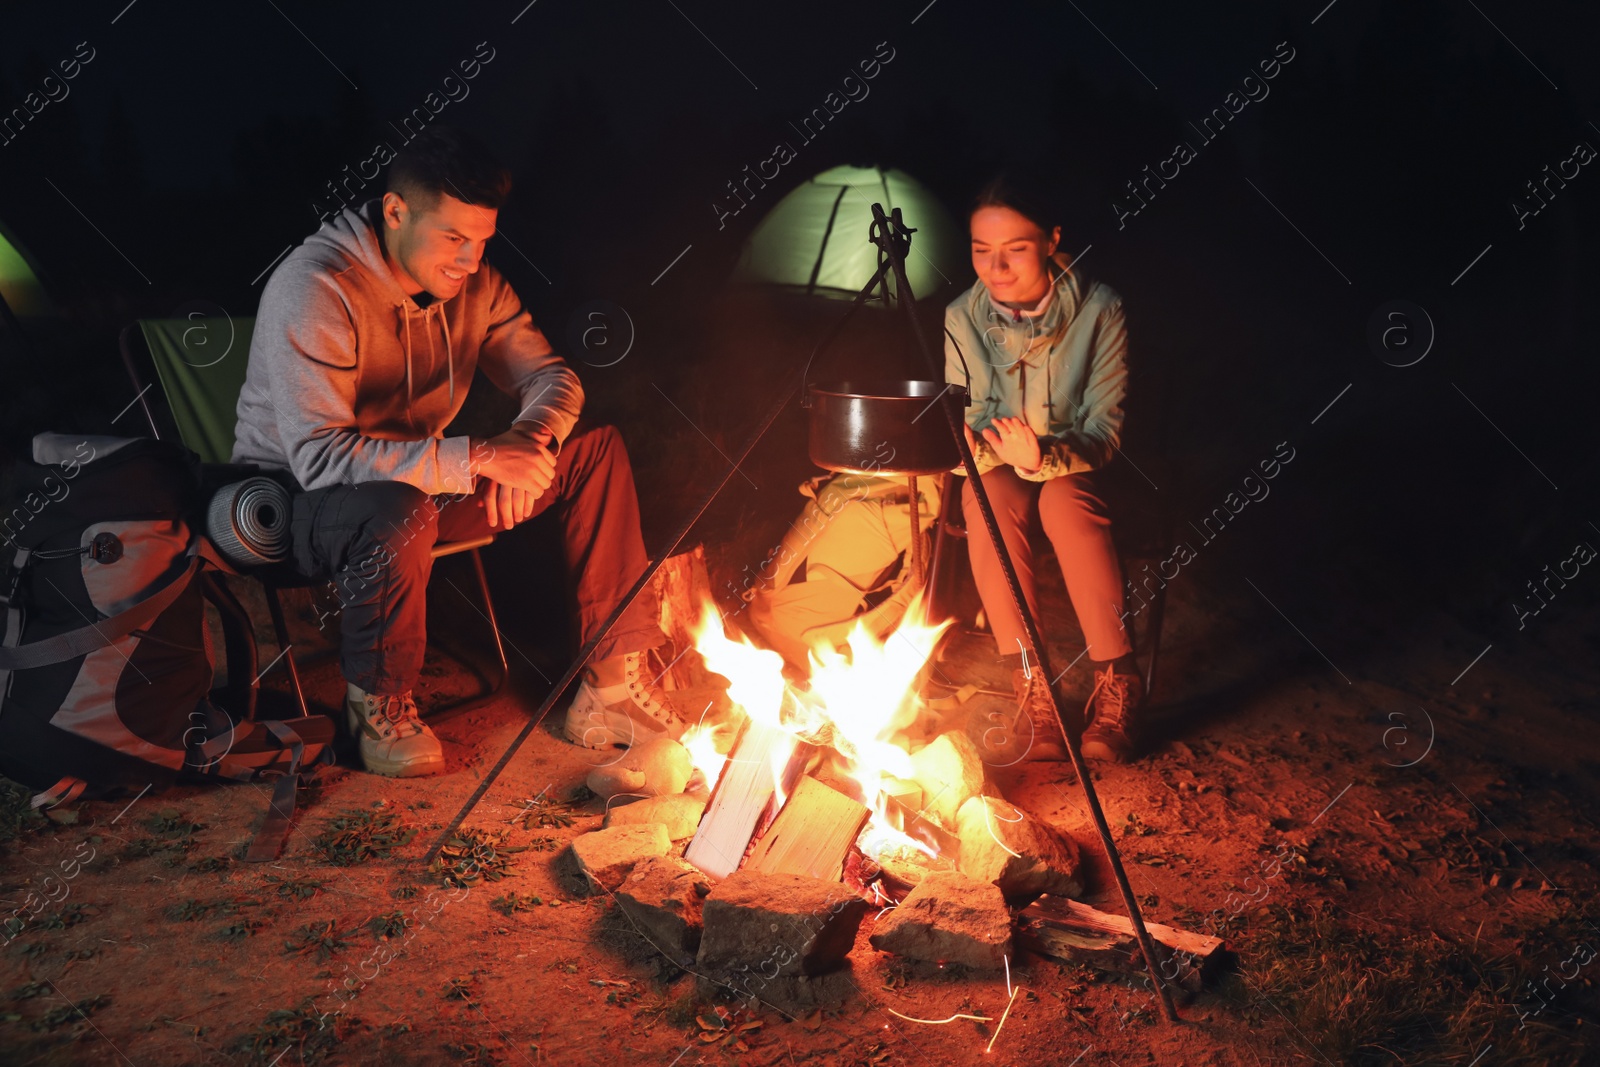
(1037,724)
(628,713)
(394,741)
(1112,732)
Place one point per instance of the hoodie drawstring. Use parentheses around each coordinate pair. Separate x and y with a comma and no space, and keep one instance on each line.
(405,313)
(449,357)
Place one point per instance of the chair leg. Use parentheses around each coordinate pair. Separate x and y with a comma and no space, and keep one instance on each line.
(281,631)
(492,689)
(494,623)
(1158,607)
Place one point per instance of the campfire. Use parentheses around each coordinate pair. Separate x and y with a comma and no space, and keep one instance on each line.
(811,766)
(755,850)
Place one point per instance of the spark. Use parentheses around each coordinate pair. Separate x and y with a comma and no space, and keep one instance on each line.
(941,1022)
(1002,1022)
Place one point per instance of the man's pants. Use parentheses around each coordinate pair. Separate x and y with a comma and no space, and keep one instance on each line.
(375,541)
(1075,519)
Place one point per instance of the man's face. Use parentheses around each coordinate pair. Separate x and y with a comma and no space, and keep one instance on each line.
(436,248)
(1009,253)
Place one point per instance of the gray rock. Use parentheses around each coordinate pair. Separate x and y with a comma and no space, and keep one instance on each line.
(1016,851)
(794,995)
(679,813)
(663,898)
(949,918)
(764,926)
(950,771)
(607,856)
(658,767)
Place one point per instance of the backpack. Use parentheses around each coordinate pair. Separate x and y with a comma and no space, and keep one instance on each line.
(841,561)
(106,659)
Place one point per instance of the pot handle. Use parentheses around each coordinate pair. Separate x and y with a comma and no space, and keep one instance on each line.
(881,276)
(964,368)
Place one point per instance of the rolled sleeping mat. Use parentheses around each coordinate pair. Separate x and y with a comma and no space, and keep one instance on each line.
(248,521)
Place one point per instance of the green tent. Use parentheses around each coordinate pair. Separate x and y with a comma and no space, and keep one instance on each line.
(815,240)
(19,281)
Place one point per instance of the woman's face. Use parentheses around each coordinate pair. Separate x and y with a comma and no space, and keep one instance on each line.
(1009,254)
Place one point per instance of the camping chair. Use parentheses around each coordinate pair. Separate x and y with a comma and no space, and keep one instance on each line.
(201,375)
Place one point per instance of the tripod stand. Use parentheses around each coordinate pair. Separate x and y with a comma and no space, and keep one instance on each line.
(893,239)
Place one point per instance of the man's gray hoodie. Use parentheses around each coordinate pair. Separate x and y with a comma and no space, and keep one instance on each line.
(349,380)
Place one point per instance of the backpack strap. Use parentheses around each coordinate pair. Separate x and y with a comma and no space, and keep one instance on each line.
(96,635)
(11,637)
(65,791)
(239,645)
(268,841)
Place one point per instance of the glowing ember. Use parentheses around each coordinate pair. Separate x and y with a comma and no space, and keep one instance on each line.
(855,702)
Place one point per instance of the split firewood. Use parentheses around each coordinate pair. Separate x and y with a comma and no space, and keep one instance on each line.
(1068,930)
(743,796)
(812,834)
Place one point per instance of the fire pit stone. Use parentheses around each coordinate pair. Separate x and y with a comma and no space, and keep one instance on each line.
(679,813)
(607,856)
(950,771)
(1018,852)
(658,767)
(663,898)
(764,926)
(949,918)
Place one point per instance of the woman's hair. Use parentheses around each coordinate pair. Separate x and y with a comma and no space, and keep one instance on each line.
(444,160)
(1022,193)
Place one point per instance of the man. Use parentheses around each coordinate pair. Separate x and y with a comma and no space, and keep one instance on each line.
(364,348)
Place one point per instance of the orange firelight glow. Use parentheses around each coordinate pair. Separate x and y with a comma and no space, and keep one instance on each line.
(857,699)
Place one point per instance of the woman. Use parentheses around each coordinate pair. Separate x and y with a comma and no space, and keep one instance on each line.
(1043,350)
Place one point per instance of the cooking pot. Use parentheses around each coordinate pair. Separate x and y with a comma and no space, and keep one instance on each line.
(881,427)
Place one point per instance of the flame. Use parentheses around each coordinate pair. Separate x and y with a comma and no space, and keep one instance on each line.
(858,697)
(701,741)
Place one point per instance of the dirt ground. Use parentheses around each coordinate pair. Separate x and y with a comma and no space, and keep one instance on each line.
(1391,825)
(1393,890)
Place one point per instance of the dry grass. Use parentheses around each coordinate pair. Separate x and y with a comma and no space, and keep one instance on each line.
(1413,997)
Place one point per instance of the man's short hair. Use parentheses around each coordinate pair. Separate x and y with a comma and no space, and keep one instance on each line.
(445,160)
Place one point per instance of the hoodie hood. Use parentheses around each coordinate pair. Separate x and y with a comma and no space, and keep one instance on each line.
(357,235)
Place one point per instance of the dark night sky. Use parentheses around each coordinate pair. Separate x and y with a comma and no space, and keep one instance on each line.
(635,99)
(1383,166)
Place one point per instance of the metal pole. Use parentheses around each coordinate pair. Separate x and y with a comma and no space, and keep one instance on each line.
(888,236)
(589,647)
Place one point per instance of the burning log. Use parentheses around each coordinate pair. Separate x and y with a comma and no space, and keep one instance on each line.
(949,918)
(663,898)
(607,856)
(683,586)
(679,813)
(764,926)
(742,796)
(812,834)
(905,865)
(1021,854)
(1069,930)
